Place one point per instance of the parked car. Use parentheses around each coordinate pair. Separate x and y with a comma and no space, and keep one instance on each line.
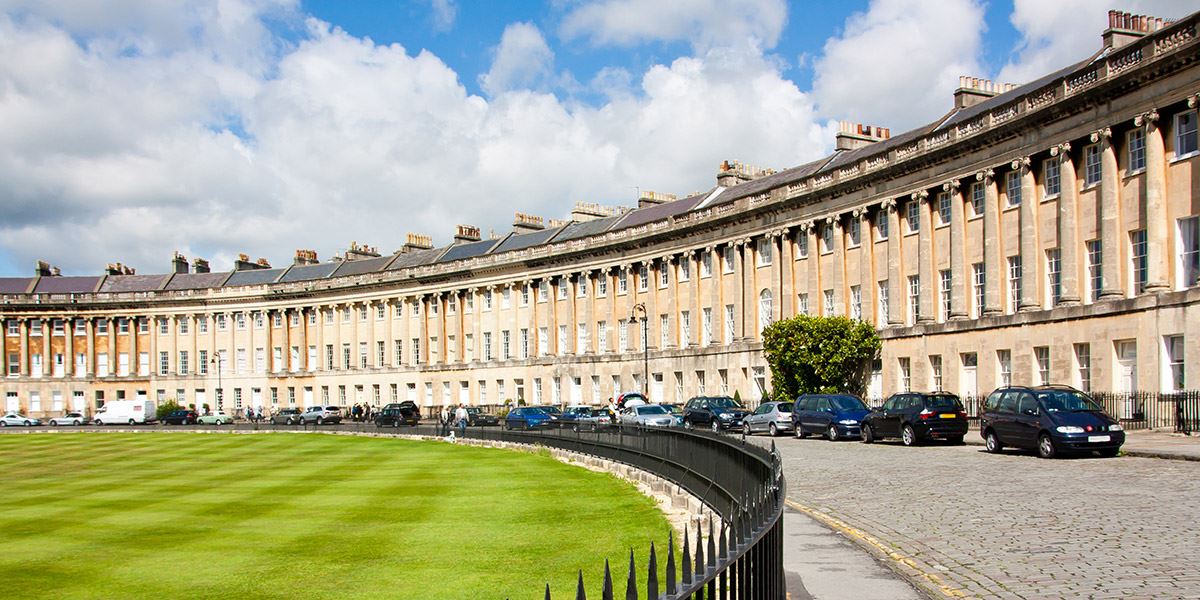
(18,420)
(321,415)
(477,418)
(398,413)
(649,415)
(125,412)
(1050,419)
(676,411)
(836,415)
(714,412)
(72,418)
(550,409)
(916,417)
(584,417)
(216,418)
(771,417)
(627,399)
(286,416)
(182,416)
(528,417)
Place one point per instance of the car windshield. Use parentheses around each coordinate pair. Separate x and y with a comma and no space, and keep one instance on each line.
(784,407)
(724,403)
(539,412)
(1066,401)
(847,403)
(943,403)
(675,409)
(472,411)
(550,409)
(651,410)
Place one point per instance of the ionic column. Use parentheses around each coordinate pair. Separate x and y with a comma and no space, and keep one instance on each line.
(958,233)
(866,244)
(47,357)
(1110,217)
(925,312)
(809,230)
(26,361)
(90,330)
(1068,234)
(1028,299)
(895,287)
(112,345)
(749,295)
(694,284)
(69,351)
(837,275)
(991,244)
(1156,206)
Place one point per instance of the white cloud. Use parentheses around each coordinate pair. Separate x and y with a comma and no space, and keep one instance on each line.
(703,23)
(523,60)
(897,64)
(1057,34)
(444,14)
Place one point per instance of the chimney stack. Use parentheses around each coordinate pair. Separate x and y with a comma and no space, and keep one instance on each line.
(973,90)
(357,252)
(466,233)
(305,257)
(523,223)
(200,265)
(587,211)
(1125,28)
(179,263)
(650,198)
(416,241)
(43,269)
(118,269)
(733,172)
(243,263)
(852,136)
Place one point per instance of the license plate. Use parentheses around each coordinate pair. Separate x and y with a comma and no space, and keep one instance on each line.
(1099,438)
(949,416)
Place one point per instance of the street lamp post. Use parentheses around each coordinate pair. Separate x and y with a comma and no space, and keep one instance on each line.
(645,346)
(220,391)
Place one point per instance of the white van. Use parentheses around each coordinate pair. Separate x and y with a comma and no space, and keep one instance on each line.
(125,412)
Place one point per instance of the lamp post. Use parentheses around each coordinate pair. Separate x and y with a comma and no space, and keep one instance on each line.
(645,347)
(220,391)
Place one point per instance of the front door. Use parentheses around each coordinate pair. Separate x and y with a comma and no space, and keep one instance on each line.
(1127,375)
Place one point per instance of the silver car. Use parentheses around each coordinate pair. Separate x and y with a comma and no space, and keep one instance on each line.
(771,417)
(321,415)
(18,420)
(648,415)
(73,418)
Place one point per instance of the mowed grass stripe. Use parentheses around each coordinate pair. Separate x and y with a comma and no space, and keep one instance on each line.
(298,516)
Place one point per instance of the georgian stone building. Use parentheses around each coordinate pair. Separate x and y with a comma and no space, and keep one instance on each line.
(1047,232)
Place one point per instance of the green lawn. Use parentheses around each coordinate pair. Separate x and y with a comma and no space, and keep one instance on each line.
(156,515)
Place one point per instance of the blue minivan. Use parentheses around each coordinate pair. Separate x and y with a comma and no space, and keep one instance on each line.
(838,416)
(1051,419)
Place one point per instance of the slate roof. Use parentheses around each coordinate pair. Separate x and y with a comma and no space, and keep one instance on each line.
(132,283)
(196,281)
(527,240)
(365,265)
(467,250)
(659,212)
(575,231)
(14,285)
(415,259)
(309,272)
(66,285)
(253,277)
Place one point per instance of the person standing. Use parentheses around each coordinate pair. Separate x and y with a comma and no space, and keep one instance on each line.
(444,421)
(461,416)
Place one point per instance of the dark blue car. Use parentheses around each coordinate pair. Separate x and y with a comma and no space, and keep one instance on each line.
(527,417)
(837,416)
(1052,420)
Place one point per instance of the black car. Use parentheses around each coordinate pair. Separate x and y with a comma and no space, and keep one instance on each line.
(477,418)
(1050,419)
(916,417)
(181,417)
(397,413)
(713,412)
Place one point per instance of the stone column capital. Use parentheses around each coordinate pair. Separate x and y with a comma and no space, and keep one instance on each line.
(887,204)
(986,175)
(1099,135)
(859,213)
(1061,151)
(1193,101)
(1147,119)
(919,195)
(951,186)
(806,226)
(1022,163)
(831,220)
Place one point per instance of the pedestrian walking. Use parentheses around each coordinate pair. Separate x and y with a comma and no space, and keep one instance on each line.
(462,417)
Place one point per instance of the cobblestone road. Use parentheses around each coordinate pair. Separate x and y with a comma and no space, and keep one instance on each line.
(1011,526)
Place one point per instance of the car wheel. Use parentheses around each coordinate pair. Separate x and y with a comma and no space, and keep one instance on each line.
(688,425)
(1046,447)
(98,423)
(868,434)
(217,423)
(3,423)
(774,429)
(132,422)
(800,432)
(76,423)
(908,436)
(746,429)
(832,433)
(992,443)
(1110,452)
(54,423)
(291,422)
(320,420)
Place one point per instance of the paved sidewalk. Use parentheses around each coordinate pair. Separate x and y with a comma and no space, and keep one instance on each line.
(1143,443)
(822,564)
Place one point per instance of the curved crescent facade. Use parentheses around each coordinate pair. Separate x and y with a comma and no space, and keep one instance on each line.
(1040,233)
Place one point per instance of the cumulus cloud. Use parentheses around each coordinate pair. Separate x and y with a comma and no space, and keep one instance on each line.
(1057,34)
(523,60)
(703,23)
(444,14)
(897,64)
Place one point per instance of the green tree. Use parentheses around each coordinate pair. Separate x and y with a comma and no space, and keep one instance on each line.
(165,408)
(819,355)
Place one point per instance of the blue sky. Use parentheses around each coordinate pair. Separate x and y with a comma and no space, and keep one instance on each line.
(136,128)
